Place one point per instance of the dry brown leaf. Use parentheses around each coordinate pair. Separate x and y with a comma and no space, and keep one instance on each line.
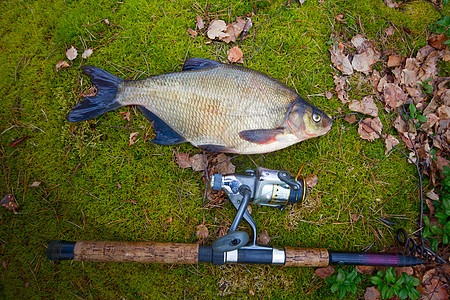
(311,181)
(192,32)
(432,195)
(35,184)
(341,88)
(366,106)
(437,40)
(423,53)
(400,270)
(400,125)
(216,29)
(390,31)
(350,119)
(61,64)
(235,55)
(366,270)
(340,18)
(72,53)
(429,68)
(87,52)
(324,273)
(431,107)
(234,30)
(183,160)
(366,133)
(394,61)
(372,293)
(200,23)
(132,138)
(126,115)
(9,203)
(263,238)
(390,142)
(393,95)
(197,162)
(340,60)
(366,55)
(221,164)
(443,112)
(202,232)
(328,95)
(446,56)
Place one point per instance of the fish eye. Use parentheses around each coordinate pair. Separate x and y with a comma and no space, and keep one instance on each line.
(316,118)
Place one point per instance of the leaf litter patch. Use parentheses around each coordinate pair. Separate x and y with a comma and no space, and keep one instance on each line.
(411,88)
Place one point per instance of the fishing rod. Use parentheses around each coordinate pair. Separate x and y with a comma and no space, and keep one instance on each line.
(264,187)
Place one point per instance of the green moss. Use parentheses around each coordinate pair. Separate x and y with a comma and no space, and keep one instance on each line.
(94,186)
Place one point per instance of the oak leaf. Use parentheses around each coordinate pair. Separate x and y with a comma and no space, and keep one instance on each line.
(366,132)
(366,106)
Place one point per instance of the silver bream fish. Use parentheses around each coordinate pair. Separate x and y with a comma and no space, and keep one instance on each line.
(217,107)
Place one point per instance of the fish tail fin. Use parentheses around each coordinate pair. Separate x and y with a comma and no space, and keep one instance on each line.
(102,102)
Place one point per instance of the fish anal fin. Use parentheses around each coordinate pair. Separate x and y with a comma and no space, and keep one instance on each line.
(194,63)
(165,135)
(261,136)
(216,148)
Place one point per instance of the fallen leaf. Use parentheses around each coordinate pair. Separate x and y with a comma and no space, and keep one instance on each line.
(197,162)
(393,95)
(126,115)
(263,238)
(340,18)
(18,141)
(234,30)
(118,185)
(202,232)
(9,203)
(366,106)
(437,40)
(341,88)
(400,270)
(249,209)
(235,55)
(340,60)
(366,270)
(311,181)
(35,184)
(248,25)
(169,220)
(183,160)
(216,29)
(363,62)
(132,138)
(443,112)
(192,32)
(87,53)
(423,53)
(394,61)
(350,119)
(372,293)
(366,132)
(390,31)
(220,164)
(390,142)
(324,273)
(200,23)
(61,65)
(328,95)
(432,195)
(391,3)
(72,53)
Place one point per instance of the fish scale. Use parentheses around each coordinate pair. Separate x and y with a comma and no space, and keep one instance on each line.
(218,107)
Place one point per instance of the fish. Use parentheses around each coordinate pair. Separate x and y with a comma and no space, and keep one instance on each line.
(215,106)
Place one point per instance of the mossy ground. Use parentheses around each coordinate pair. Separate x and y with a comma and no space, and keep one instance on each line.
(81,166)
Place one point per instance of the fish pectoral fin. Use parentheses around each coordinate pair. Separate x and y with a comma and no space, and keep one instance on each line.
(194,63)
(165,135)
(261,136)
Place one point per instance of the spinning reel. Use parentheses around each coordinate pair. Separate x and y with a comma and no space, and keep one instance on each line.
(263,187)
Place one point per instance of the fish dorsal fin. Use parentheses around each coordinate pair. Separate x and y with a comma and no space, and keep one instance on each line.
(194,63)
(165,135)
(261,136)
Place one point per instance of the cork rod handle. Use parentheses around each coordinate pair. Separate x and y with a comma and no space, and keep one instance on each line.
(306,257)
(145,252)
